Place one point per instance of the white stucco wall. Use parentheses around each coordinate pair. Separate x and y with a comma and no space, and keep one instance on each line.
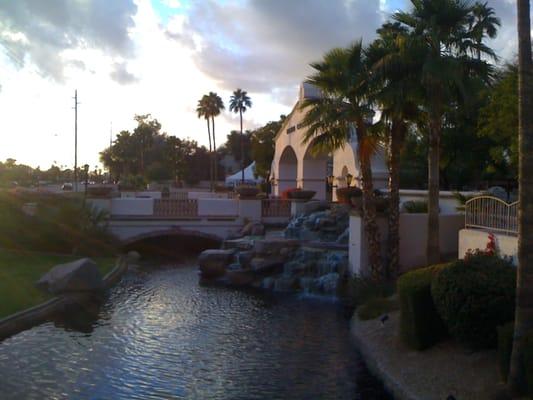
(413,236)
(472,239)
(206,195)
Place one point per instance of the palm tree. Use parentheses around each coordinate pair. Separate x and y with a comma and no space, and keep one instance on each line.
(396,91)
(437,34)
(203,111)
(524,309)
(483,23)
(215,106)
(341,77)
(239,103)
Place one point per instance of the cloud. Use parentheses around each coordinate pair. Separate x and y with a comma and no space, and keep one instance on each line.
(121,74)
(265,45)
(39,31)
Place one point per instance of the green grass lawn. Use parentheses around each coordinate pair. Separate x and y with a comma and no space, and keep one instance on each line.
(20,270)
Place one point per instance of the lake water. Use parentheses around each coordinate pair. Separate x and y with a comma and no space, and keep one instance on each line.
(161,335)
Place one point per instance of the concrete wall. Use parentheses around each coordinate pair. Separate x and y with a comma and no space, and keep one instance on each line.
(132,206)
(472,239)
(413,236)
(218,207)
(206,195)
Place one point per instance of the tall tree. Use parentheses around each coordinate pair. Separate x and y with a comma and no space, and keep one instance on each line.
(483,23)
(203,111)
(215,106)
(396,92)
(438,35)
(239,103)
(344,104)
(524,292)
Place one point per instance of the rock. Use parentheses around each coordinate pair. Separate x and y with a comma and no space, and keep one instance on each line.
(307,234)
(315,205)
(253,229)
(268,283)
(133,256)
(266,265)
(245,258)
(77,276)
(239,244)
(309,285)
(344,237)
(328,283)
(213,263)
(285,284)
(240,277)
(297,268)
(273,246)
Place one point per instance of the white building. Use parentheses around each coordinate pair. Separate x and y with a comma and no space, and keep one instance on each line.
(294,166)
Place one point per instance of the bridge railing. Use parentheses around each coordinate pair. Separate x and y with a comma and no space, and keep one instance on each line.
(491,213)
(275,208)
(176,208)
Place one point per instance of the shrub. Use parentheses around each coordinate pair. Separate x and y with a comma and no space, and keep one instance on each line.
(355,291)
(375,307)
(420,323)
(415,206)
(474,296)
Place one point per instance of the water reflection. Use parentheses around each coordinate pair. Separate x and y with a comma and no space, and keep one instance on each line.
(160,335)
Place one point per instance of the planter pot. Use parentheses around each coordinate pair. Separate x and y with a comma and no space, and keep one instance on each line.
(301,194)
(345,194)
(247,192)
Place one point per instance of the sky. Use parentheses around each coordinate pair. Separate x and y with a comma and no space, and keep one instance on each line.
(127,57)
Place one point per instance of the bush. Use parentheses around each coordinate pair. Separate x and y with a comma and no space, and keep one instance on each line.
(474,296)
(420,323)
(415,206)
(375,307)
(355,291)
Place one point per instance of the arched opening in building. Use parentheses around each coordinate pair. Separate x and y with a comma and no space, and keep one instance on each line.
(287,170)
(315,172)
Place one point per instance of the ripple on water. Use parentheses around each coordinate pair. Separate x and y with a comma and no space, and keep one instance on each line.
(160,335)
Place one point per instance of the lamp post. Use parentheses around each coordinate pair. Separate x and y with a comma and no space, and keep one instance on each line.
(349,179)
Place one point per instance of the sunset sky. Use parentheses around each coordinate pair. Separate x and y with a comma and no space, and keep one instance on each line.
(128,57)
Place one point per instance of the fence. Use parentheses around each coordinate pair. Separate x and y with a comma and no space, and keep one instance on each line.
(275,208)
(175,208)
(491,213)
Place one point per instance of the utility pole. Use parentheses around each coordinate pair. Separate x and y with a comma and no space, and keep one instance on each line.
(76,141)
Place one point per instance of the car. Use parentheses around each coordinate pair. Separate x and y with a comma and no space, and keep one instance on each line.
(67,186)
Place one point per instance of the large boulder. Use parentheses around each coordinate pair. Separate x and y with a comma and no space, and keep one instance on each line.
(77,276)
(253,229)
(240,277)
(285,284)
(315,205)
(267,247)
(266,265)
(239,244)
(329,283)
(213,263)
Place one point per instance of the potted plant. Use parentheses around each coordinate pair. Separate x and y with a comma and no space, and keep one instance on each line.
(301,194)
(346,194)
(247,192)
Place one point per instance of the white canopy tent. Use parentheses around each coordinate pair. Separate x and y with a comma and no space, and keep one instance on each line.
(249,178)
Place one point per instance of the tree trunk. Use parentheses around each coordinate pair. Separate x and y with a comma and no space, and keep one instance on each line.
(215,158)
(524,288)
(395,146)
(432,244)
(242,151)
(369,206)
(210,156)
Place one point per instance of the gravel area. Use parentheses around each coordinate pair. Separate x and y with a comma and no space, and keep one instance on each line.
(434,374)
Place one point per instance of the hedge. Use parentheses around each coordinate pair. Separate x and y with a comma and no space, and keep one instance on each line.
(474,296)
(420,324)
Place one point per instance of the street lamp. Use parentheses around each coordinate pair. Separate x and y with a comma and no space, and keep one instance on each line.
(349,179)
(331,180)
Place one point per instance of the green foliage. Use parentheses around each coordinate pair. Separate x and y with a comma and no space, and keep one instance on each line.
(505,347)
(262,146)
(375,307)
(132,182)
(420,323)
(358,290)
(19,270)
(415,206)
(474,296)
(60,224)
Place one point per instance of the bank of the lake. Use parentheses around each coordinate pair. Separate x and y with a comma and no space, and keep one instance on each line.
(19,270)
(444,370)
(159,334)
